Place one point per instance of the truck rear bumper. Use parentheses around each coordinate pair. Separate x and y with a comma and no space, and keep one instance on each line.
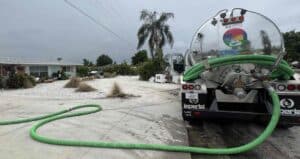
(245,116)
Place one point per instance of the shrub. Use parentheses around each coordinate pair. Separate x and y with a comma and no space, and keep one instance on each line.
(149,69)
(110,68)
(82,71)
(116,91)
(73,82)
(2,84)
(103,60)
(20,81)
(109,75)
(139,57)
(63,76)
(125,69)
(32,80)
(83,87)
(121,69)
(27,83)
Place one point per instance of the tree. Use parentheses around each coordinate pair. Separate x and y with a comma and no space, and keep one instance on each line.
(200,38)
(139,57)
(292,45)
(87,62)
(104,60)
(82,71)
(149,69)
(266,42)
(156,30)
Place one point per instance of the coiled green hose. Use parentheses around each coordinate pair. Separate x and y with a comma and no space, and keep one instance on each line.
(190,74)
(283,71)
(96,108)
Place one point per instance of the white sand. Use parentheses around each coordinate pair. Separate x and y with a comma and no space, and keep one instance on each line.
(155,117)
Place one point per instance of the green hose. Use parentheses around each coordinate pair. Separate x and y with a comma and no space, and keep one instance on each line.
(189,75)
(283,71)
(216,151)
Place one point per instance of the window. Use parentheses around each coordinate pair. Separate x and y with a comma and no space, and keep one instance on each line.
(67,69)
(39,71)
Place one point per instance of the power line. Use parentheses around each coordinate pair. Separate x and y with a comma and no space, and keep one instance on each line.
(95,21)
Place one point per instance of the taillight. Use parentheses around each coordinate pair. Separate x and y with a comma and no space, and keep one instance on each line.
(241,18)
(233,19)
(184,86)
(225,20)
(191,87)
(291,87)
(197,87)
(281,87)
(196,114)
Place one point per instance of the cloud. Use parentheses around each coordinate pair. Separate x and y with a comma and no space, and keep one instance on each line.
(49,29)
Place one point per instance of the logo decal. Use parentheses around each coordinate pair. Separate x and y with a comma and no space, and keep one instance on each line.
(235,37)
(287,103)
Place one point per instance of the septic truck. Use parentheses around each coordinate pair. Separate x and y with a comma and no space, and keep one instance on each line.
(232,59)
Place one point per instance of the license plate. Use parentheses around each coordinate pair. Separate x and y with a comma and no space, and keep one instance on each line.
(191,95)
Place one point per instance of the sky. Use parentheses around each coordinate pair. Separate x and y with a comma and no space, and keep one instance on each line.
(47,29)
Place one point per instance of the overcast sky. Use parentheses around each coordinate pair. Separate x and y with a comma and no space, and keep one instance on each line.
(50,29)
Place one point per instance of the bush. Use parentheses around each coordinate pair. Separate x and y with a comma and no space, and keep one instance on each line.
(27,83)
(2,84)
(149,69)
(82,71)
(20,81)
(116,91)
(125,69)
(110,68)
(63,76)
(74,82)
(109,75)
(83,87)
(103,60)
(139,57)
(121,69)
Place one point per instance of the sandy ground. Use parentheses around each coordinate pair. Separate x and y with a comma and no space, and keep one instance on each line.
(152,118)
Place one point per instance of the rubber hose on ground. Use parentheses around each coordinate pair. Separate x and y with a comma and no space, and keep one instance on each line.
(118,145)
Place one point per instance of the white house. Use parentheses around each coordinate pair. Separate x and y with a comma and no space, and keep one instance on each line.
(37,68)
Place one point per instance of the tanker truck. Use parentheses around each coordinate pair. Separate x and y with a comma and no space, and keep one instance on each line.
(231,59)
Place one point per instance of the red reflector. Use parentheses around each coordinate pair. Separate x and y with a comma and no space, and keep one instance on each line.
(184,86)
(225,20)
(241,18)
(233,19)
(291,87)
(197,114)
(191,87)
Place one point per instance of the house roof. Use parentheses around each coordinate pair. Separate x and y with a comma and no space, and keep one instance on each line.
(23,61)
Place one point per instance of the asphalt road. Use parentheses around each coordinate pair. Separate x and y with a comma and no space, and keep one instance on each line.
(283,144)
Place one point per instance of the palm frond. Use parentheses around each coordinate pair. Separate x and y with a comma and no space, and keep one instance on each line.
(144,14)
(165,16)
(142,35)
(162,41)
(169,35)
(143,29)
(141,41)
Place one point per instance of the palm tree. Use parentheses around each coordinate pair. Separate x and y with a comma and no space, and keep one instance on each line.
(200,38)
(156,30)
